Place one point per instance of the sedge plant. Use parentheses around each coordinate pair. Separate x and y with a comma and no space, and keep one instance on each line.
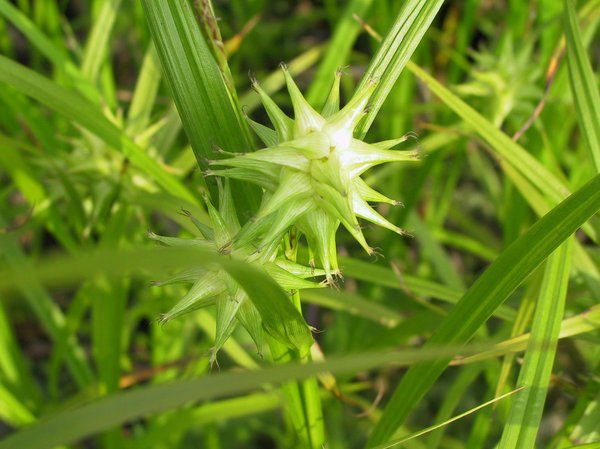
(124,129)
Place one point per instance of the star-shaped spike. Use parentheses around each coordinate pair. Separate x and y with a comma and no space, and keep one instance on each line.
(317,173)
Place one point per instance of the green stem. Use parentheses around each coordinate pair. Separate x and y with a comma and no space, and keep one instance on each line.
(303,402)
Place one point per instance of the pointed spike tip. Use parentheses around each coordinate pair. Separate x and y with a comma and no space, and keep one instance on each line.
(163,319)
(349,116)
(306,119)
(253,80)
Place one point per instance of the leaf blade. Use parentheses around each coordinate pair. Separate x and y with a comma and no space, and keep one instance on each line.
(488,292)
(526,410)
(583,84)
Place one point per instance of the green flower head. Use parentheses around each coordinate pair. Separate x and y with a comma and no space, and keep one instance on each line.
(311,173)
(211,285)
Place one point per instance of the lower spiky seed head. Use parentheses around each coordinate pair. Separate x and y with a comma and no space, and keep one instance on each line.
(212,285)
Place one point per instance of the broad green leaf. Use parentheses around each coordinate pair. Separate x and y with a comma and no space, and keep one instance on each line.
(396,49)
(488,292)
(82,111)
(206,104)
(584,85)
(526,411)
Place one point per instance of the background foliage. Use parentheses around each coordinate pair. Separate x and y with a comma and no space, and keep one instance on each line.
(109,111)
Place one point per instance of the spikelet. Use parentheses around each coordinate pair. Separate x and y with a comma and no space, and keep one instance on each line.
(310,172)
(212,286)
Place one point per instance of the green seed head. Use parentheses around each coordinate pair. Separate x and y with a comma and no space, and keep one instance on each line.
(310,170)
(212,285)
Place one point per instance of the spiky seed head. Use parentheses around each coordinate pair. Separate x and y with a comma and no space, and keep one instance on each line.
(312,173)
(214,286)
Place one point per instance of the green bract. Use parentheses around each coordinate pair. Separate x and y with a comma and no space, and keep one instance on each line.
(310,172)
(212,285)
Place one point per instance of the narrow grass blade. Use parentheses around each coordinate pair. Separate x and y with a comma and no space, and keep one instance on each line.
(144,95)
(206,321)
(401,441)
(45,309)
(521,323)
(85,113)
(353,304)
(279,316)
(338,50)
(435,253)
(502,145)
(276,80)
(586,446)
(586,429)
(97,46)
(13,410)
(490,290)
(69,426)
(453,397)
(108,309)
(15,376)
(305,416)
(33,189)
(587,321)
(396,49)
(55,54)
(42,43)
(526,411)
(411,285)
(584,84)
